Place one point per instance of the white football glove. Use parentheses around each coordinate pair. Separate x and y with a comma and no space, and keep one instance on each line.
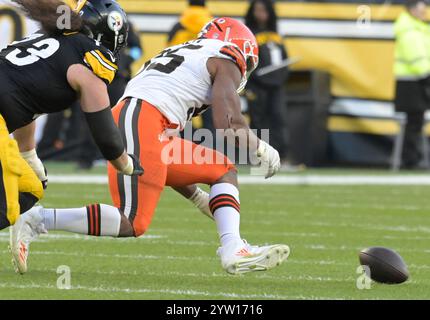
(201,200)
(133,167)
(269,159)
(36,164)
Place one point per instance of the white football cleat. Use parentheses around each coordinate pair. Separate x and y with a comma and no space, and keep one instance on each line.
(28,227)
(239,257)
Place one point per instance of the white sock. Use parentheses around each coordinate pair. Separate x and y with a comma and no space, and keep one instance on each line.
(225,207)
(95,220)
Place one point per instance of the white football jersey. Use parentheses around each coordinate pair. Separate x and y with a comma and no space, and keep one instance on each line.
(177,81)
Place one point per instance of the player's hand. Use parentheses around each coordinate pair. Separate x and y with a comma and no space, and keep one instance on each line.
(137,168)
(269,158)
(201,201)
(36,164)
(133,168)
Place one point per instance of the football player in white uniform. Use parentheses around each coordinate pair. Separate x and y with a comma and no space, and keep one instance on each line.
(180,82)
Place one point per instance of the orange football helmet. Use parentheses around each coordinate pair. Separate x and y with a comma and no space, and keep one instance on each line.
(235,32)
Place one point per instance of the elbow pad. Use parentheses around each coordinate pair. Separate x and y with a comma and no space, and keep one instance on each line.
(105,133)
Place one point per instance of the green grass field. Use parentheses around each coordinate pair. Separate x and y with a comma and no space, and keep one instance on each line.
(325,226)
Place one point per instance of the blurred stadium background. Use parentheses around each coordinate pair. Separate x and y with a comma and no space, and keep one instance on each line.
(338,95)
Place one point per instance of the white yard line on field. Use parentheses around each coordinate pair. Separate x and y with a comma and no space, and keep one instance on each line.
(54,236)
(400,180)
(116,256)
(179,292)
(161,257)
(160,239)
(205,258)
(206,275)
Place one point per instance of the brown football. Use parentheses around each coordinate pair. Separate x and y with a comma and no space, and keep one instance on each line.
(384,265)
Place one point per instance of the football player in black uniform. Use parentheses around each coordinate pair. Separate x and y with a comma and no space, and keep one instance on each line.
(47,72)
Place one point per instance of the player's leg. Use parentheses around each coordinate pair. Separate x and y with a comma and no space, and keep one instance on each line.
(134,201)
(97,220)
(101,219)
(135,198)
(19,185)
(9,205)
(216,170)
(30,192)
(236,255)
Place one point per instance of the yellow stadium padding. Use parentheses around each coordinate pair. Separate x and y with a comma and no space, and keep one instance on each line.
(284,9)
(359,68)
(382,127)
(362,125)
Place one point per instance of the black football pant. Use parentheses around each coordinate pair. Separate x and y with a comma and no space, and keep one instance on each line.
(412,149)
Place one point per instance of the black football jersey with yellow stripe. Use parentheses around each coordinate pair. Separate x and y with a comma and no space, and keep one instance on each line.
(33,74)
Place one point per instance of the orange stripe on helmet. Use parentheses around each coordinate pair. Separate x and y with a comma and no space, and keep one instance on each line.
(236,55)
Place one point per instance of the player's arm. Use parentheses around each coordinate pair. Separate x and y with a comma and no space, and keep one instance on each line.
(227,114)
(226,109)
(27,146)
(25,137)
(95,104)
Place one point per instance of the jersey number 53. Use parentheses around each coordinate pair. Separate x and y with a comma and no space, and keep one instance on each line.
(36,50)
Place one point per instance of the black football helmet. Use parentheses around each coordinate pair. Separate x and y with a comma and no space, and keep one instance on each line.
(104,21)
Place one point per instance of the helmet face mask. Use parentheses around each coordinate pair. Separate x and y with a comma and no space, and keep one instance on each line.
(250,52)
(105,22)
(236,33)
(251,56)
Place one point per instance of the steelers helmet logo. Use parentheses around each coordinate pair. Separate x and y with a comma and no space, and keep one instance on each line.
(115,21)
